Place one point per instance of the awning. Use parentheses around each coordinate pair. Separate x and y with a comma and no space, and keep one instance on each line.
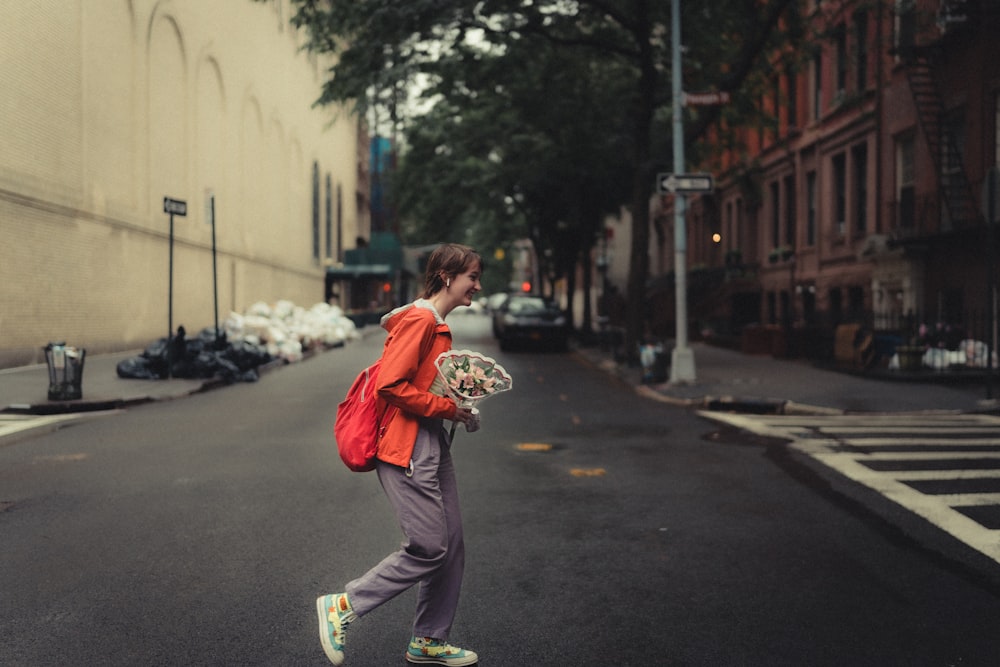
(356,271)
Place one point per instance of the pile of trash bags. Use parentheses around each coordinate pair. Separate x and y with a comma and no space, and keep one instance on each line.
(287,330)
(969,354)
(246,341)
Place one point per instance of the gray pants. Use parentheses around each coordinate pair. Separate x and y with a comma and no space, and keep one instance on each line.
(433,552)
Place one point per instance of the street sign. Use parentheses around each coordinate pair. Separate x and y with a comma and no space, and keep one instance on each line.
(175,206)
(705,99)
(991,196)
(674,183)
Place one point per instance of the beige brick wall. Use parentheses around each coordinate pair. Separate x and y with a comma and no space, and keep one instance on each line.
(111,105)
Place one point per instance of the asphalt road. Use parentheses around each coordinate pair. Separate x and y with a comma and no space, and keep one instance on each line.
(601,529)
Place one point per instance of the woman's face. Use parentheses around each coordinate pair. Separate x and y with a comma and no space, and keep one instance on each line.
(465,285)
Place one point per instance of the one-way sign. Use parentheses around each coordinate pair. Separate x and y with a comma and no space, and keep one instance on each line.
(684,183)
(175,206)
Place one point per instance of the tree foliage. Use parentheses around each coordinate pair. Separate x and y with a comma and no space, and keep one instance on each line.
(542,115)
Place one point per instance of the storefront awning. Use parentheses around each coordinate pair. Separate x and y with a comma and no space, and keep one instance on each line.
(356,271)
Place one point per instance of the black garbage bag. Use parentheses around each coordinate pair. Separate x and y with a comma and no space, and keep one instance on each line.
(246,356)
(136,368)
(203,357)
(156,358)
(209,364)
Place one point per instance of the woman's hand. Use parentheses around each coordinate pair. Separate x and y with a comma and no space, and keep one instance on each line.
(464,415)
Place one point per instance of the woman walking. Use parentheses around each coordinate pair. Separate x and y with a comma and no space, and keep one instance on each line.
(414,466)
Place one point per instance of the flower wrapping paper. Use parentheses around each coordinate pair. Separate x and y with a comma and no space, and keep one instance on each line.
(469,377)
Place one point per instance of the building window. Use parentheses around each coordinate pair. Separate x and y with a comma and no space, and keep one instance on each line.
(776,109)
(328,215)
(738,232)
(840,44)
(811,202)
(859,154)
(340,223)
(729,226)
(817,86)
(840,194)
(954,146)
(792,104)
(790,226)
(861,50)
(315,211)
(906,25)
(906,203)
(775,216)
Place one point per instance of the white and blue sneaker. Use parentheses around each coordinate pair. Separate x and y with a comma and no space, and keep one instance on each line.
(428,651)
(334,612)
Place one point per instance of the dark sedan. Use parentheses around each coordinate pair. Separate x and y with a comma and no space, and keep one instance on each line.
(527,318)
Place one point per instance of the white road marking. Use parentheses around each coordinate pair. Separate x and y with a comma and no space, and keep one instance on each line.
(833,441)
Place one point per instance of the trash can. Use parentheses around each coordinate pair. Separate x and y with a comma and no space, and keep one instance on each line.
(654,363)
(65,371)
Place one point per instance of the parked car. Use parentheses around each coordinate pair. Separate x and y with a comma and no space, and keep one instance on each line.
(494,301)
(528,318)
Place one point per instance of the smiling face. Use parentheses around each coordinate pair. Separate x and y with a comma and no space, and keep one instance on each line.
(465,285)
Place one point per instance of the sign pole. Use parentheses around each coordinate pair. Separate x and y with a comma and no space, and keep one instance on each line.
(170,303)
(171,207)
(682,358)
(215,271)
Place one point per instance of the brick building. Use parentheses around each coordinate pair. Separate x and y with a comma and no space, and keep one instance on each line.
(861,202)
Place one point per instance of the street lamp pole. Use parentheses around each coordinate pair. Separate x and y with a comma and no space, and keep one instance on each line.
(682,358)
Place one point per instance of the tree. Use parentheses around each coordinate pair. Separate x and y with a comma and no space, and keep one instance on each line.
(382,48)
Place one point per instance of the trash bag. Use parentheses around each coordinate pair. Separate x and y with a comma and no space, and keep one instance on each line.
(202,357)
(135,368)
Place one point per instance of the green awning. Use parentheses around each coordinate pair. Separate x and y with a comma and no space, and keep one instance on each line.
(356,271)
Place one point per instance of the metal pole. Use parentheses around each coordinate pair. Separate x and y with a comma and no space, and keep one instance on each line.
(682,359)
(215,271)
(170,302)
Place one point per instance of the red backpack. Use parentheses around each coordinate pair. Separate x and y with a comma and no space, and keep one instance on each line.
(358,428)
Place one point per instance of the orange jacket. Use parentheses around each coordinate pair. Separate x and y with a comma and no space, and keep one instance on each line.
(417,335)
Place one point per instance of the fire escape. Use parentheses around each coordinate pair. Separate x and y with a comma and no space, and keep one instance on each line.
(958,209)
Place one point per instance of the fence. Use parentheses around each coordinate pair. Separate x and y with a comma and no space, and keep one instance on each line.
(912,341)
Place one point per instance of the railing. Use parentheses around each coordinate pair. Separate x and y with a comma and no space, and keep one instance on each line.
(914,342)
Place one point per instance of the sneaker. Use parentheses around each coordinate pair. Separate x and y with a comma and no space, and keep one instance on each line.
(334,612)
(427,651)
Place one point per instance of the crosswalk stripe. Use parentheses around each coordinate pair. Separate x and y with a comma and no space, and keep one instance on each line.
(845,444)
(970,499)
(924,475)
(12,425)
(915,441)
(931,456)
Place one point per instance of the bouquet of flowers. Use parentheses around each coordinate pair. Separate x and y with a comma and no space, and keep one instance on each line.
(469,377)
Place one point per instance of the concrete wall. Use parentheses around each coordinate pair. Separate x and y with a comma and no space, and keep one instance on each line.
(111,105)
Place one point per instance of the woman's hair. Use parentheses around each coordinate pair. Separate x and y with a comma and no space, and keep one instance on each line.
(447,261)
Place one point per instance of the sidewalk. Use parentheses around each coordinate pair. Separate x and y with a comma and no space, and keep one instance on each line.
(25,389)
(725,380)
(729,380)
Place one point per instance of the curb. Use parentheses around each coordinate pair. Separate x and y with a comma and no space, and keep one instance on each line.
(743,405)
